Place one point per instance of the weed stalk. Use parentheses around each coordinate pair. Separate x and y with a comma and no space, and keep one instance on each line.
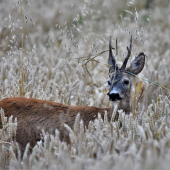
(22,70)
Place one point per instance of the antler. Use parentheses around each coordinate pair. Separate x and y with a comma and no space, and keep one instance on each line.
(112,60)
(128,55)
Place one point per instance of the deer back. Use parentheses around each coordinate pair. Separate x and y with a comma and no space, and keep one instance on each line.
(33,115)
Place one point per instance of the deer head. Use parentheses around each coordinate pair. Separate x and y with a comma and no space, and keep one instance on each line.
(120,81)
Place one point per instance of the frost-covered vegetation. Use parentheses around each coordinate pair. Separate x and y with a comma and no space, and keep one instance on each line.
(44,47)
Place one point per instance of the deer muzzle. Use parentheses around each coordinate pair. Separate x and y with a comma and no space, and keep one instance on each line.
(114,96)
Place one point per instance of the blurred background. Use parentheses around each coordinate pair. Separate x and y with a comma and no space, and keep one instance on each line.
(59,37)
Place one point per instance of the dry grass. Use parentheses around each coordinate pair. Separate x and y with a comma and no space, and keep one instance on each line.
(55,34)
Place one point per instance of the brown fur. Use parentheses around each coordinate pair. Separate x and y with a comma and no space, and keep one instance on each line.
(33,115)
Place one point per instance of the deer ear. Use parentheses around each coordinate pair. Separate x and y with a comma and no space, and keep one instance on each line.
(137,65)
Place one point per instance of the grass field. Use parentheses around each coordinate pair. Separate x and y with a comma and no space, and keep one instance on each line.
(44,47)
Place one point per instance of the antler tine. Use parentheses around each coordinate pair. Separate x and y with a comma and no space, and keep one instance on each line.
(128,55)
(111,56)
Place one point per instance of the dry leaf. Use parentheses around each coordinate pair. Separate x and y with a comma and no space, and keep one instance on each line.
(139,87)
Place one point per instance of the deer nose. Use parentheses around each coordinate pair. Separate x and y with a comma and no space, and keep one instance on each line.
(114,96)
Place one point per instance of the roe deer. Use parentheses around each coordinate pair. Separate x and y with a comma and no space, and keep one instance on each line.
(33,115)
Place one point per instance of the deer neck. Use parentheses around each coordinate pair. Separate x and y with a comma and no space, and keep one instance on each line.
(124,105)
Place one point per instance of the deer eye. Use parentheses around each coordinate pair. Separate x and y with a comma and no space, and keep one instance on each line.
(109,83)
(126,82)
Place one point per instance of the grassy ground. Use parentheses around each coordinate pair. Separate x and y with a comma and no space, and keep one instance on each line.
(58,38)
